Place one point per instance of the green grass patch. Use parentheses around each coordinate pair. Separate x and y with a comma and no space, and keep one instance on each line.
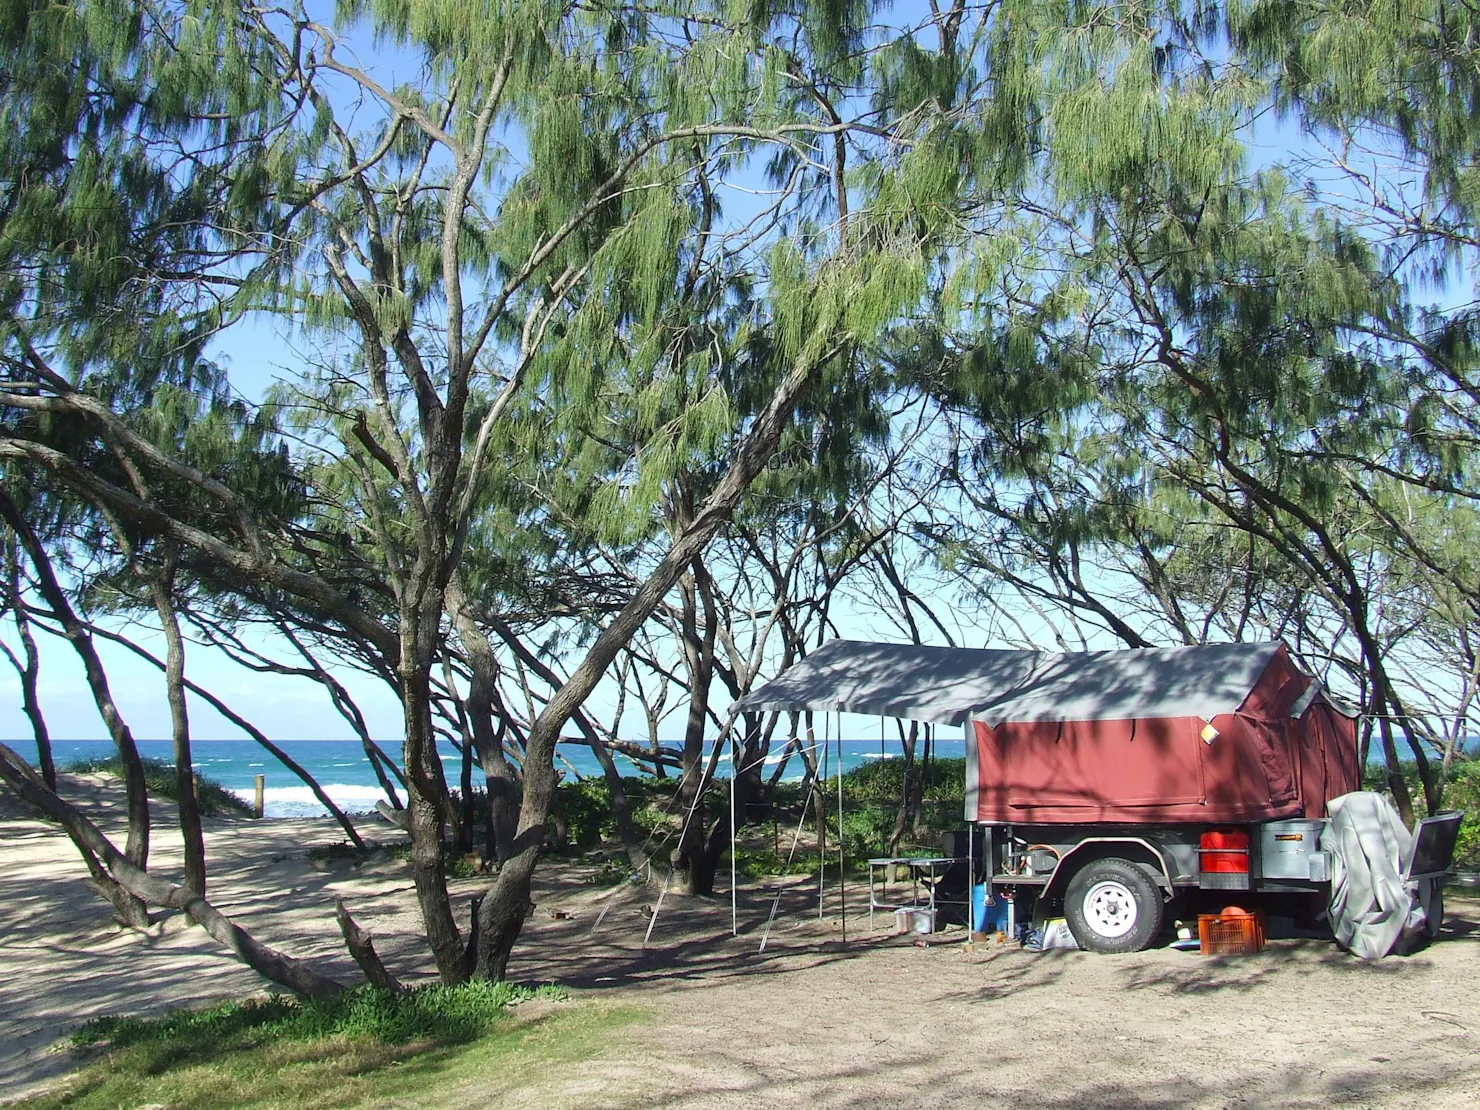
(429,1013)
(365,1049)
(159,776)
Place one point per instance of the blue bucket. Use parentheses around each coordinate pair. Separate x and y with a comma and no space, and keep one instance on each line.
(988,916)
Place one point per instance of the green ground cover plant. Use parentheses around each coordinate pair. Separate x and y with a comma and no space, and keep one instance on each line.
(431,1013)
(213,798)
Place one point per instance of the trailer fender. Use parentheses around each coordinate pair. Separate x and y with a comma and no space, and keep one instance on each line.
(1133,848)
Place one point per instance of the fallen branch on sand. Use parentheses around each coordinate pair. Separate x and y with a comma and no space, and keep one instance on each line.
(362,947)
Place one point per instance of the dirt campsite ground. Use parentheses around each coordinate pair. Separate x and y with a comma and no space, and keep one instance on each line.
(880,1023)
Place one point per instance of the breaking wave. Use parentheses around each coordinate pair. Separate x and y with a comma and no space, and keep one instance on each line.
(298,801)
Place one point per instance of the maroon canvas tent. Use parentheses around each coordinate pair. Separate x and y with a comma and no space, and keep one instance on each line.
(1282,751)
(1214,734)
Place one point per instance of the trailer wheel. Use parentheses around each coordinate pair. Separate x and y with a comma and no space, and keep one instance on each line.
(1112,906)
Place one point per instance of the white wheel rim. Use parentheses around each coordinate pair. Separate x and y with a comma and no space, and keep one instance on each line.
(1110,908)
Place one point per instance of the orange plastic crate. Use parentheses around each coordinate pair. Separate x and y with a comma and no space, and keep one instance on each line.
(1232,935)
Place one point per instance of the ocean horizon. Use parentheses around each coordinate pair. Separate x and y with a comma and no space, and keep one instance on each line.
(344,772)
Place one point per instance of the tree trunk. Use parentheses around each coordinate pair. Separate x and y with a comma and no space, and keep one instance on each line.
(616,790)
(136,847)
(1431,782)
(465,787)
(688,856)
(426,824)
(161,588)
(503,793)
(909,795)
(30,672)
(746,782)
(502,912)
(816,789)
(927,768)
(362,947)
(1383,704)
(498,774)
(1402,798)
(465,764)
(284,970)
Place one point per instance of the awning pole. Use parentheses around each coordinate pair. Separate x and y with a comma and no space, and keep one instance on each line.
(796,840)
(734,773)
(822,820)
(842,887)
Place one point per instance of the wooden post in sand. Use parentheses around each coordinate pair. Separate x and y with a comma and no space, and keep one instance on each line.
(257,800)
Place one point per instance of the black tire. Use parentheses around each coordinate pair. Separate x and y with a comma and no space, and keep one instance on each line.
(1113,906)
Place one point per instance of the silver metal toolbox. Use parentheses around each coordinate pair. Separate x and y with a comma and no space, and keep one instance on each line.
(1292,850)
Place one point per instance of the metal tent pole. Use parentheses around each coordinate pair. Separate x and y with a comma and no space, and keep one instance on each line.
(822,820)
(734,773)
(647,936)
(842,879)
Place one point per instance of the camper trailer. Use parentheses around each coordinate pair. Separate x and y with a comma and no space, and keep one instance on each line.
(1101,785)
(1105,782)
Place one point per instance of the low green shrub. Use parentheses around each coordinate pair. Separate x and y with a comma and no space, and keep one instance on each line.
(866,829)
(1463,792)
(764,862)
(610,871)
(581,815)
(583,809)
(159,777)
(882,780)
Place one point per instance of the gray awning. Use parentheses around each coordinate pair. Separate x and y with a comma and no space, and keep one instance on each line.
(948,685)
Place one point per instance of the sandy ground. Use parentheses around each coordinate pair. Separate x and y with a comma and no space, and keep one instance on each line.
(811,1023)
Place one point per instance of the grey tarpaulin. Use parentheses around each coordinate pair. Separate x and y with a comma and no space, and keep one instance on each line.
(1374,910)
(947,685)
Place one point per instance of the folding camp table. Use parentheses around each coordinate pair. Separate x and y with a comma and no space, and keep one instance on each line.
(925,872)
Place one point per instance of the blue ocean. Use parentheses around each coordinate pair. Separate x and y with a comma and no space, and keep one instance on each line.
(342,769)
